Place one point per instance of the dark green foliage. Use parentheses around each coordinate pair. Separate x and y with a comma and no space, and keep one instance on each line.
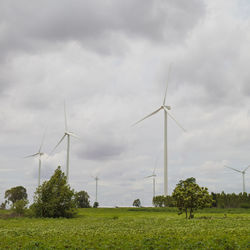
(54,198)
(190,196)
(96,204)
(82,199)
(233,200)
(137,203)
(163,201)
(16,193)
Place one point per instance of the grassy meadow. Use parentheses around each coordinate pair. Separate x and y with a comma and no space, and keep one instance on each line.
(129,228)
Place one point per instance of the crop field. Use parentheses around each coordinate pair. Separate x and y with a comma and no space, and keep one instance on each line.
(130,228)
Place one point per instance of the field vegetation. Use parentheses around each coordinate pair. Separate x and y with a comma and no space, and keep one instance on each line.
(129,228)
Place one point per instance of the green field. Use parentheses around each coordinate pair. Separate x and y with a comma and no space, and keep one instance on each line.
(129,228)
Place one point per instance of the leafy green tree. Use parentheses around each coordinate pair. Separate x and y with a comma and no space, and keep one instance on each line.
(96,204)
(16,193)
(82,199)
(137,203)
(190,196)
(54,198)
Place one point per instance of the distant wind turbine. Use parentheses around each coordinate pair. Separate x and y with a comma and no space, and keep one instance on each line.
(243,175)
(96,185)
(166,109)
(153,175)
(39,154)
(68,134)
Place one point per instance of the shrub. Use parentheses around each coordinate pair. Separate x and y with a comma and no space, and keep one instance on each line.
(137,203)
(96,204)
(19,207)
(54,198)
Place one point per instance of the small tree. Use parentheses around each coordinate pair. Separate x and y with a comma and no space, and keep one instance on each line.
(190,196)
(137,203)
(54,198)
(16,193)
(96,204)
(82,199)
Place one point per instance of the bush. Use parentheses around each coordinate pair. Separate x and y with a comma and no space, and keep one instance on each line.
(96,204)
(163,201)
(54,198)
(137,203)
(19,207)
(245,205)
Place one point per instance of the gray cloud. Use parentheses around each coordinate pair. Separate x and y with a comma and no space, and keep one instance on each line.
(109,60)
(37,25)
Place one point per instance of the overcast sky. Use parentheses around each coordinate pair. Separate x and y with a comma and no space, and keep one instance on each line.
(109,61)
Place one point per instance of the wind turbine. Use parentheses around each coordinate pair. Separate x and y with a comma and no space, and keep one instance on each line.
(96,181)
(166,109)
(67,134)
(39,154)
(243,175)
(153,175)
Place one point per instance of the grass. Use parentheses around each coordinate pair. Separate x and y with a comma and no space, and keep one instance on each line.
(130,228)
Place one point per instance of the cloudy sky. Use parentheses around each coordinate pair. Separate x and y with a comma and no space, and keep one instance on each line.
(109,61)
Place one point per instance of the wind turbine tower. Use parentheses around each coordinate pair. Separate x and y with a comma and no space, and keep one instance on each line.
(166,109)
(96,187)
(243,175)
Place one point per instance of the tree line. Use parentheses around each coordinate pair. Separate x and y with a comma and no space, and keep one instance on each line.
(220,200)
(54,198)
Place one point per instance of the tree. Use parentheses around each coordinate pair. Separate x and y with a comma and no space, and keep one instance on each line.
(82,199)
(190,196)
(137,203)
(54,198)
(96,204)
(16,193)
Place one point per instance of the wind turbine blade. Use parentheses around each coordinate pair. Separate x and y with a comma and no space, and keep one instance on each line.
(57,144)
(29,156)
(169,69)
(174,119)
(148,176)
(74,135)
(156,111)
(233,169)
(42,141)
(65,117)
(156,161)
(246,168)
